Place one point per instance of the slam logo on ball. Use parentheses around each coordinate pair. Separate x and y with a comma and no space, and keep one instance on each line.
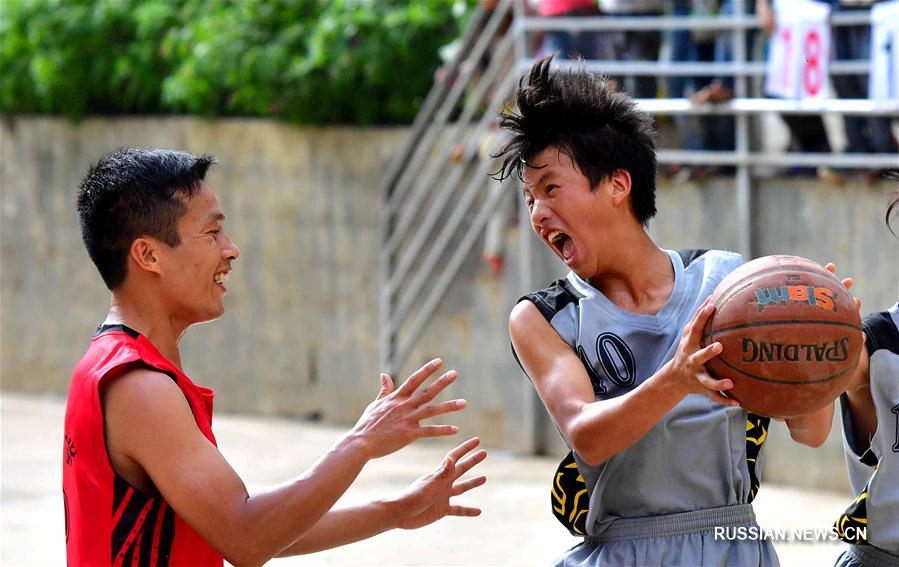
(791,335)
(820,297)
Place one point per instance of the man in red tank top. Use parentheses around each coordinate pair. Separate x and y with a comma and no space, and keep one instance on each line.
(143,480)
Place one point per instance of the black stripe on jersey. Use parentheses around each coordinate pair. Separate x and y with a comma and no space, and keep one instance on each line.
(554,298)
(167,537)
(118,327)
(550,301)
(868,458)
(119,490)
(131,521)
(689,254)
(569,497)
(856,516)
(880,333)
(129,516)
(129,557)
(756,434)
(146,542)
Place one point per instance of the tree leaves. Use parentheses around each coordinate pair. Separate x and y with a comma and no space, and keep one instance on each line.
(307,61)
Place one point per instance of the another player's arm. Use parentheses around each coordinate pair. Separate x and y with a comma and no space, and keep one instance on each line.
(813,428)
(424,502)
(149,424)
(597,430)
(858,392)
(861,404)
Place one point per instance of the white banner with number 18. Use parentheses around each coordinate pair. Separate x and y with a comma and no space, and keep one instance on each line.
(799,51)
(883,78)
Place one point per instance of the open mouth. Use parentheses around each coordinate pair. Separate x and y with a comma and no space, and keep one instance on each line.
(561,243)
(221,277)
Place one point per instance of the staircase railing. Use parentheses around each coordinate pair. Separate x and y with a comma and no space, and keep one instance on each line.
(436,193)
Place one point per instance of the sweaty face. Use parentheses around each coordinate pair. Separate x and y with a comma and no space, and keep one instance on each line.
(195,271)
(567,216)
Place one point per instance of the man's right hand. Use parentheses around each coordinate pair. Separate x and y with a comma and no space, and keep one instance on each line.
(392,421)
(687,367)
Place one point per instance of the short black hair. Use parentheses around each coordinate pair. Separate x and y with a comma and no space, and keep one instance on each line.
(584,116)
(135,192)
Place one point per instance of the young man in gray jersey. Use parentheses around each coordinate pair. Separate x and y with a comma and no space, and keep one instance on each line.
(871,440)
(613,349)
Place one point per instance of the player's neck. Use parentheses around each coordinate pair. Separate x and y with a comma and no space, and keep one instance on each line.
(637,276)
(148,319)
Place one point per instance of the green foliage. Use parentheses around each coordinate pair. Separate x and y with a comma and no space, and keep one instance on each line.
(308,61)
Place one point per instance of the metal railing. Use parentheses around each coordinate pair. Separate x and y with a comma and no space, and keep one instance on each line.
(428,229)
(435,191)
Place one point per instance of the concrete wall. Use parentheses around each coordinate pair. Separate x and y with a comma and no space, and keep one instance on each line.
(300,335)
(802,217)
(813,219)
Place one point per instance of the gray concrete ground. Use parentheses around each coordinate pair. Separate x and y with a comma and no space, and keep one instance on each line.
(516,527)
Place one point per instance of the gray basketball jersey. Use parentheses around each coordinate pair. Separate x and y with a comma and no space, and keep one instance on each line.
(696,456)
(874,472)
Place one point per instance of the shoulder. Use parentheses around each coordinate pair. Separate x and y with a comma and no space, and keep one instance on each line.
(138,389)
(709,267)
(105,353)
(147,420)
(701,256)
(537,345)
(881,332)
(551,300)
(525,316)
(688,255)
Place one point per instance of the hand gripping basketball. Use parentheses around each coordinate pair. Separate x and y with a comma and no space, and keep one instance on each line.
(791,333)
(688,364)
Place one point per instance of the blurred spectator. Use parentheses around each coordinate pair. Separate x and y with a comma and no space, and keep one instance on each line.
(692,46)
(864,134)
(570,45)
(448,52)
(633,45)
(807,132)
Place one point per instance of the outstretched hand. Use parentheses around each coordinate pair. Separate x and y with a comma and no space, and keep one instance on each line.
(688,363)
(428,498)
(392,421)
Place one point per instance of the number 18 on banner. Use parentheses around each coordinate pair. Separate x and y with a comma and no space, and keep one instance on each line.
(883,78)
(799,51)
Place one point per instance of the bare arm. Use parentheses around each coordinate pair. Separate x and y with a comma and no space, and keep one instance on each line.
(861,405)
(150,427)
(813,428)
(766,15)
(858,393)
(424,502)
(597,430)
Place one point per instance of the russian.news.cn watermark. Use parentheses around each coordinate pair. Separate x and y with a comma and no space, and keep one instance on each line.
(798,535)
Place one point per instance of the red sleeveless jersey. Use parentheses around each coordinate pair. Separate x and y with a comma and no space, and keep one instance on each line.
(109,522)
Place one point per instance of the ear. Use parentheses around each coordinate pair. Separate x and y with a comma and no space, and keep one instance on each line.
(620,186)
(144,254)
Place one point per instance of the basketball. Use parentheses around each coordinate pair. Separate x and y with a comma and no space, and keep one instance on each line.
(791,334)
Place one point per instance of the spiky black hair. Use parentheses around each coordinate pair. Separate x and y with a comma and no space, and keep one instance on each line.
(582,115)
